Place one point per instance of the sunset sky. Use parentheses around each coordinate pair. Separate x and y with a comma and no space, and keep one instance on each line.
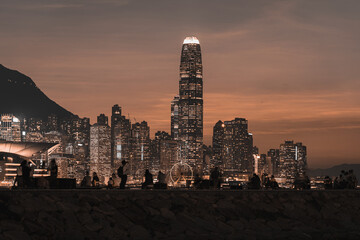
(292,68)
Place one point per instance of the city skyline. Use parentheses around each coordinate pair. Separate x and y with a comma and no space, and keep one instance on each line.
(287,86)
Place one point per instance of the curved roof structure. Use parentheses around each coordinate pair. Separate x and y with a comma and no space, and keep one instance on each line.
(191,40)
(26,149)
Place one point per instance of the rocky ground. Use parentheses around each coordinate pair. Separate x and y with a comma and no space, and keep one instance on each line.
(116,214)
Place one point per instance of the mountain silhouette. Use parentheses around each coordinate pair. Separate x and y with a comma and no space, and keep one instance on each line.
(20,95)
(335,170)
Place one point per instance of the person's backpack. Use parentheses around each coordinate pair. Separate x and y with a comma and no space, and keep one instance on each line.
(120,171)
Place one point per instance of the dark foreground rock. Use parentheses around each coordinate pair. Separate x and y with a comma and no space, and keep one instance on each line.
(115,214)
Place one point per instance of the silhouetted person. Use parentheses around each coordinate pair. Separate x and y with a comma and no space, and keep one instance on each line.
(95,181)
(110,183)
(25,170)
(86,182)
(148,179)
(197,181)
(53,169)
(122,173)
(328,183)
(161,181)
(21,177)
(255,182)
(273,183)
(267,182)
(215,178)
(161,178)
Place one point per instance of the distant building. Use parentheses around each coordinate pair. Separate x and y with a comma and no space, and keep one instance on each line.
(292,161)
(121,139)
(236,146)
(102,119)
(140,148)
(100,149)
(217,143)
(165,151)
(191,103)
(274,155)
(175,118)
(10,128)
(52,123)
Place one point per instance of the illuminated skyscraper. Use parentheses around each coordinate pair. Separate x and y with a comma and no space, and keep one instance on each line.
(10,128)
(293,161)
(140,148)
(191,103)
(175,118)
(100,149)
(217,141)
(236,146)
(120,137)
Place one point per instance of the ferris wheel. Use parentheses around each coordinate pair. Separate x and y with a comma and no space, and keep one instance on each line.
(181,172)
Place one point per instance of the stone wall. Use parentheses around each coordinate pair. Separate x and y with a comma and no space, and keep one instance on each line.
(116,214)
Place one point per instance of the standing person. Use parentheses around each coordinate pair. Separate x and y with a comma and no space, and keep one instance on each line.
(53,169)
(215,178)
(25,171)
(95,180)
(122,173)
(19,178)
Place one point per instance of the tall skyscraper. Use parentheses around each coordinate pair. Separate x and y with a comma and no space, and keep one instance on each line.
(274,155)
(140,148)
(100,149)
(217,143)
(237,147)
(191,103)
(115,119)
(175,118)
(10,128)
(120,137)
(293,161)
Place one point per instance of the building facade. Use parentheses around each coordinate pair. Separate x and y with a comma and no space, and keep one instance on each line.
(100,149)
(10,128)
(175,118)
(191,103)
(292,161)
(234,146)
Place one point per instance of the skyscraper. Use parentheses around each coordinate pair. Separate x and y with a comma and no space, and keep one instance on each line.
(100,149)
(191,103)
(10,128)
(120,137)
(140,148)
(217,143)
(292,161)
(237,146)
(175,118)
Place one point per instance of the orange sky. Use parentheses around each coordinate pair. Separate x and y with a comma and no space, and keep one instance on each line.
(290,68)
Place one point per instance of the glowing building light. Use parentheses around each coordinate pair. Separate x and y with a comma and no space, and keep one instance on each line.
(191,40)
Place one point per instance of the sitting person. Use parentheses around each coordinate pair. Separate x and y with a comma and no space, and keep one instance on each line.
(273,182)
(197,181)
(255,182)
(161,183)
(148,179)
(95,181)
(86,182)
(110,183)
